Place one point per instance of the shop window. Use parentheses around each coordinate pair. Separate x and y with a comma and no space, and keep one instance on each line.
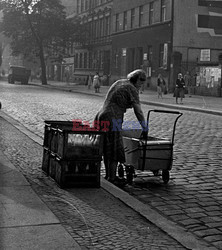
(161,55)
(150,54)
(139,58)
(116,59)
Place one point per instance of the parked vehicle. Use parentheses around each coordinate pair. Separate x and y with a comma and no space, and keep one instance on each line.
(18,73)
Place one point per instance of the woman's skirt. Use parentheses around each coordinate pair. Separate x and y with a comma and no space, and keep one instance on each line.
(113,148)
(179,92)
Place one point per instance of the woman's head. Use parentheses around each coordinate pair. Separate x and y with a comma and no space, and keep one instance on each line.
(136,75)
(180,75)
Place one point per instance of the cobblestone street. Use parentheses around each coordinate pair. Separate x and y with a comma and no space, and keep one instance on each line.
(192,198)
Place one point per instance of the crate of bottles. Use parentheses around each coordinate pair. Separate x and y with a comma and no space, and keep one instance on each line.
(45,160)
(76,144)
(84,173)
(72,155)
(51,132)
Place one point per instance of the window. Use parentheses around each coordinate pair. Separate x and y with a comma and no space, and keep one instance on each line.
(106,26)
(76,60)
(85,61)
(82,6)
(163,11)
(151,13)
(78,6)
(132,18)
(161,55)
(100,27)
(90,60)
(97,28)
(117,22)
(125,20)
(87,5)
(141,16)
(80,60)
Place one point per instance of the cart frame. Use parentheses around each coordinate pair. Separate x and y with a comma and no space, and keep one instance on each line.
(158,152)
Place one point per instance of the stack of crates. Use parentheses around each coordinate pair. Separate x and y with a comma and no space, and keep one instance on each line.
(72,157)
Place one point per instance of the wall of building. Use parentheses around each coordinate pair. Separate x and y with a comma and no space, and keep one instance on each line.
(191,37)
(128,43)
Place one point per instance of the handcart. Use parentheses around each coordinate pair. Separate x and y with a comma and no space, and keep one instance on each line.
(153,154)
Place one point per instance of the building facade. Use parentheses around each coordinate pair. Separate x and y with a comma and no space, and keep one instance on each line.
(94,54)
(161,36)
(141,37)
(197,39)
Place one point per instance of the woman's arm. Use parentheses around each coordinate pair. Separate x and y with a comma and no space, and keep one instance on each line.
(140,116)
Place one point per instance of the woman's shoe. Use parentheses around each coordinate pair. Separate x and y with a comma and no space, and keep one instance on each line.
(119,182)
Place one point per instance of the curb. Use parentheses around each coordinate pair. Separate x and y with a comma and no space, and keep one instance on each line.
(185,238)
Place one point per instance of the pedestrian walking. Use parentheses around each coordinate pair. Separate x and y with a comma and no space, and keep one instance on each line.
(96,82)
(89,81)
(180,88)
(160,86)
(67,75)
(122,95)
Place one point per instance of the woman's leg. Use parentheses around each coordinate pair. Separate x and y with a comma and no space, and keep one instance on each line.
(112,170)
(181,100)
(106,163)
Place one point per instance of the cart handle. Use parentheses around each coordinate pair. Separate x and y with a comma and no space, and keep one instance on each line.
(166,111)
(169,112)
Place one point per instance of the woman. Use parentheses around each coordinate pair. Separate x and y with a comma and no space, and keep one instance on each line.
(89,81)
(180,88)
(122,95)
(96,82)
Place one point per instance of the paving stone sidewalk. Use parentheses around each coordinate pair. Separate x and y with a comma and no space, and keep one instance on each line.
(94,218)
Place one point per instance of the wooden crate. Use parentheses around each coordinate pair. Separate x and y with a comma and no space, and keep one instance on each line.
(81,173)
(50,132)
(76,145)
(45,160)
(52,165)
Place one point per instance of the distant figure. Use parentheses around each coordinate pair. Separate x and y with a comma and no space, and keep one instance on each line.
(160,86)
(89,81)
(67,75)
(180,89)
(32,76)
(96,82)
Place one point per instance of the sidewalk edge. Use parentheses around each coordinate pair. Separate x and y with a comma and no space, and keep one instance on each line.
(171,106)
(185,238)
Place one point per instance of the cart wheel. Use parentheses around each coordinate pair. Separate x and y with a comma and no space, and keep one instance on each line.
(155,172)
(165,176)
